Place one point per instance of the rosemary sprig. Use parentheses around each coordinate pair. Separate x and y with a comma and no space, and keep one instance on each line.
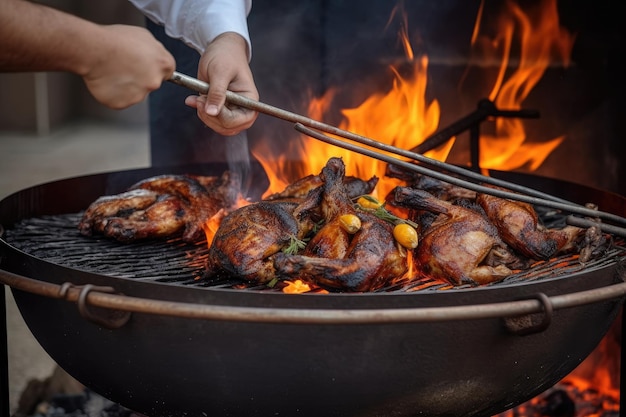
(378,209)
(295,245)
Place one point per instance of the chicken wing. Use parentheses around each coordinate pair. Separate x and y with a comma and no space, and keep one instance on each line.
(164,218)
(519,227)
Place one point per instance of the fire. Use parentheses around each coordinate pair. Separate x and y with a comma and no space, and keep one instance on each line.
(401,117)
(541,41)
(511,49)
(298,287)
(510,53)
(211,225)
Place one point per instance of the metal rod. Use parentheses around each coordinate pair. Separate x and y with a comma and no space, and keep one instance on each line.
(313,316)
(475,148)
(622,366)
(239,100)
(466,184)
(541,198)
(485,109)
(579,222)
(4,356)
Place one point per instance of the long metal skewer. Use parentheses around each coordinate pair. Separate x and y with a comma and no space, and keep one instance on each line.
(532,196)
(242,101)
(469,185)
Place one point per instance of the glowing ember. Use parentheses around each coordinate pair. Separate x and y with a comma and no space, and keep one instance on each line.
(299,287)
(296,287)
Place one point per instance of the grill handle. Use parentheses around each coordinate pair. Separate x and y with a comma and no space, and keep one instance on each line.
(123,305)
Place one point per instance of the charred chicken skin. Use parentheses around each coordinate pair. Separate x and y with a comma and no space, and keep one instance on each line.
(332,241)
(161,206)
(249,237)
(333,258)
(456,246)
(300,188)
(519,227)
(372,261)
(162,219)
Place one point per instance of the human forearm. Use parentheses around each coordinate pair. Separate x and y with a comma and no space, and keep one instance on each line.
(39,38)
(120,64)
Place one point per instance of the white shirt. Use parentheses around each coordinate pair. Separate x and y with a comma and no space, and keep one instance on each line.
(198,22)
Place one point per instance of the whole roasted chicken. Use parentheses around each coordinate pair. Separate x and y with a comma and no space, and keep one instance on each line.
(461,245)
(161,206)
(247,239)
(335,258)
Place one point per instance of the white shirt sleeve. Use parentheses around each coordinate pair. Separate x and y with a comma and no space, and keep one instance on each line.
(198,22)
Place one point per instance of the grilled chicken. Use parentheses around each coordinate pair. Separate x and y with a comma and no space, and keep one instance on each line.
(365,261)
(161,206)
(460,246)
(372,261)
(201,203)
(519,227)
(97,215)
(164,218)
(332,241)
(354,187)
(249,237)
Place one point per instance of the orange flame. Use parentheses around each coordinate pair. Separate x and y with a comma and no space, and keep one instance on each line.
(299,287)
(540,41)
(403,117)
(210,226)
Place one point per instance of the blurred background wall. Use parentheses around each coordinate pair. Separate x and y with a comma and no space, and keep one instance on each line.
(43,102)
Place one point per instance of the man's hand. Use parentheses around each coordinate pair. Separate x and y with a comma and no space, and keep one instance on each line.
(224,65)
(120,64)
(130,64)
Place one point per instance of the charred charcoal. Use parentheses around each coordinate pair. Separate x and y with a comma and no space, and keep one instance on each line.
(557,404)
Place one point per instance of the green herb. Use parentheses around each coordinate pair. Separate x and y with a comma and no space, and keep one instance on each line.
(295,245)
(382,213)
(317,226)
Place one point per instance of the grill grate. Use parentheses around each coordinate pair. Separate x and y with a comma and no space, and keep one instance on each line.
(56,239)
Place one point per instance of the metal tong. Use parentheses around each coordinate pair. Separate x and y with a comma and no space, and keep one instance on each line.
(523,194)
